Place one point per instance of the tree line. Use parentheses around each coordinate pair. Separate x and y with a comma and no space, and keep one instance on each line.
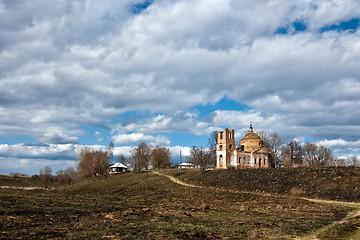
(288,154)
(92,162)
(293,153)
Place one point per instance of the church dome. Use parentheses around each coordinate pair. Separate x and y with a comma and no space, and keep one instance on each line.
(251,135)
(251,142)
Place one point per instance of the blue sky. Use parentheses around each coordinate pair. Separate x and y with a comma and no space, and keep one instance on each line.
(84,73)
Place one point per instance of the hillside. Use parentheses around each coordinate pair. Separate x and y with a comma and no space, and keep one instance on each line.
(17,181)
(327,183)
(148,206)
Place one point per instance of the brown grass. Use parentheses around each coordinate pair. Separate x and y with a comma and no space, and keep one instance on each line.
(147,206)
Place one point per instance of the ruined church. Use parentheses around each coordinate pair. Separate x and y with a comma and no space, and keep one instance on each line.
(250,154)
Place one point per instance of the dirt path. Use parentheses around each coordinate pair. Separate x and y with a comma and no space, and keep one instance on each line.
(23,188)
(175,180)
(312,236)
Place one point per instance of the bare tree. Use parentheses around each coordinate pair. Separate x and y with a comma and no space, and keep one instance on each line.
(324,156)
(200,157)
(60,176)
(339,162)
(354,161)
(93,162)
(70,175)
(45,176)
(213,138)
(293,152)
(122,159)
(160,158)
(140,157)
(310,153)
(273,142)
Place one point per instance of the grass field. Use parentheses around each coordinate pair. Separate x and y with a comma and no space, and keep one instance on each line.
(326,183)
(148,206)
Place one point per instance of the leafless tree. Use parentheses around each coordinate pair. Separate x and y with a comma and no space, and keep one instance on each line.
(45,176)
(273,142)
(60,176)
(324,156)
(160,158)
(122,159)
(310,153)
(339,162)
(70,175)
(293,152)
(93,162)
(200,157)
(213,138)
(354,161)
(140,157)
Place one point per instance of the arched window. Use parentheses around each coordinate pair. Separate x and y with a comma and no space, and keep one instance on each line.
(259,162)
(230,146)
(254,160)
(264,161)
(239,160)
(221,160)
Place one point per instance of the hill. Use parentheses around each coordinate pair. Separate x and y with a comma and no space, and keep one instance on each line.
(327,183)
(18,181)
(148,206)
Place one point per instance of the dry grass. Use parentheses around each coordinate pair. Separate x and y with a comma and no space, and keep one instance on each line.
(292,197)
(325,183)
(147,206)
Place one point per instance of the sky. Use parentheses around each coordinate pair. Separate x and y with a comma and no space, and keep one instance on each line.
(169,72)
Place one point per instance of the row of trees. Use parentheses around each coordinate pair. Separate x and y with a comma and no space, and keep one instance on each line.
(93,162)
(295,154)
(144,155)
(202,157)
(66,176)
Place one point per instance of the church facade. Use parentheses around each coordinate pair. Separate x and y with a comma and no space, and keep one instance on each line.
(250,154)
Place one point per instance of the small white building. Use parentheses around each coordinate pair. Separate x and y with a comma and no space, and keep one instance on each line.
(117,168)
(186,165)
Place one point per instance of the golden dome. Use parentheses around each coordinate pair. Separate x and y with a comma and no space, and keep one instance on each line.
(251,135)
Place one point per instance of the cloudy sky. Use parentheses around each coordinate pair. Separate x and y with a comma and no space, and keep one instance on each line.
(168,72)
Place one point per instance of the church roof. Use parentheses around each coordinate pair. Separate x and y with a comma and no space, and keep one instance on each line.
(263,150)
(251,134)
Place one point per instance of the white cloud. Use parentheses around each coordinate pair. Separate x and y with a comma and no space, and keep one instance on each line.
(81,63)
(134,138)
(58,138)
(340,143)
